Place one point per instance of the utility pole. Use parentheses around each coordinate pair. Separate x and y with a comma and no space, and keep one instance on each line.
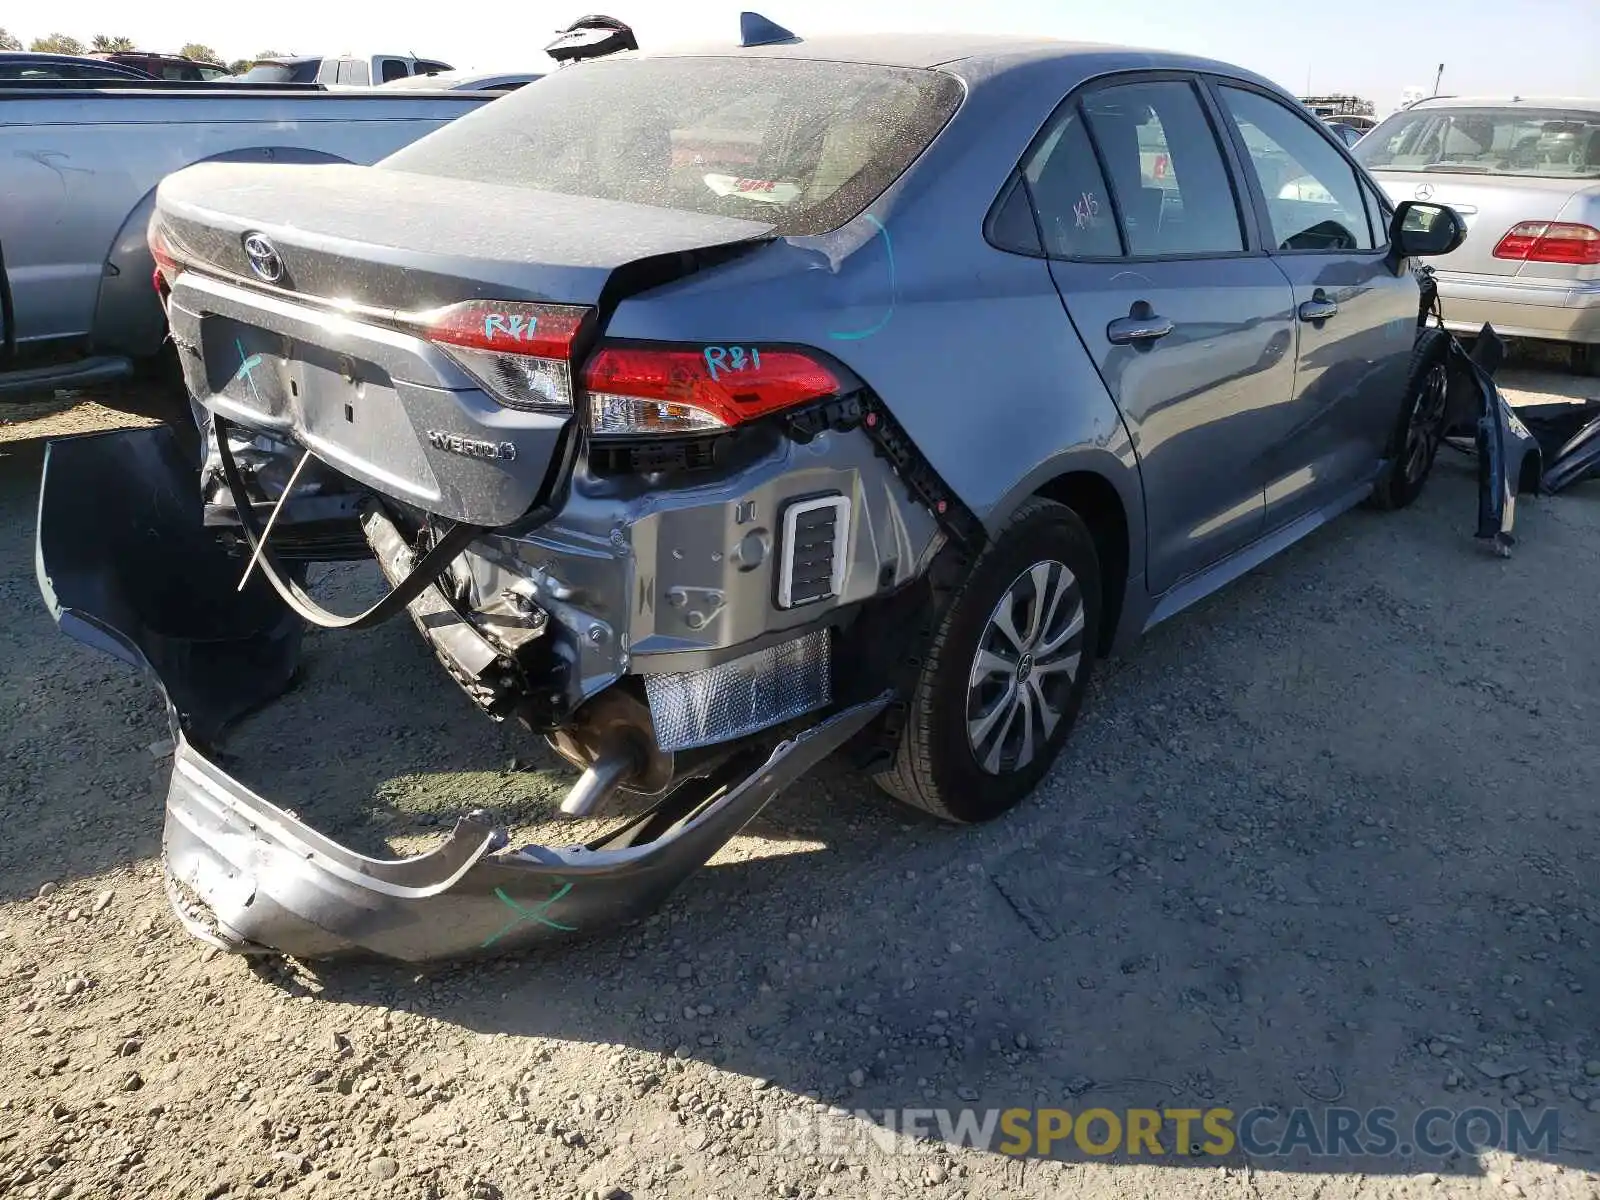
(1437,78)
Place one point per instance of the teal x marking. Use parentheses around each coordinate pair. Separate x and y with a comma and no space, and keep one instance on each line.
(246,366)
(539,912)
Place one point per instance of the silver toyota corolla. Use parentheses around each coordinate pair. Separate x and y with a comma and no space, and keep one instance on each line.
(709,411)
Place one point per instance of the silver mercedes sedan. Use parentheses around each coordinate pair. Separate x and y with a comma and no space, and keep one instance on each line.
(1524,173)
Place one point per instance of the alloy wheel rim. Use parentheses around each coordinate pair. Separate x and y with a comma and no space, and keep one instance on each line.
(1024,669)
(1427,419)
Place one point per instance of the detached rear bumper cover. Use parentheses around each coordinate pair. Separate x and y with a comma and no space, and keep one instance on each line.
(267,882)
(126,566)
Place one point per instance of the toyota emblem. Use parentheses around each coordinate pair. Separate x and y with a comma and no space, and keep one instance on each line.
(1424,191)
(264,258)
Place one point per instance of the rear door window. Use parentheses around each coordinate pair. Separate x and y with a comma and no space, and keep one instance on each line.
(1166,169)
(1069,193)
(354,71)
(802,144)
(393,68)
(1312,194)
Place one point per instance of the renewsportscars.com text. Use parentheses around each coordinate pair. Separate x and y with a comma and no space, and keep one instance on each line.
(1259,1132)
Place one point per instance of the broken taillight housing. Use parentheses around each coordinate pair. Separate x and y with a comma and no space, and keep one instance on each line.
(161,250)
(1551,242)
(636,390)
(521,353)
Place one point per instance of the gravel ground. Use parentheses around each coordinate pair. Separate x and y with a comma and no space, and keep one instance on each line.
(1329,837)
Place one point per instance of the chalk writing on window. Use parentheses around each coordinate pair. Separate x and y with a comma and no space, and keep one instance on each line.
(1087,209)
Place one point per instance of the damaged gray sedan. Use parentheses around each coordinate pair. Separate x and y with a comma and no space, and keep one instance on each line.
(713,413)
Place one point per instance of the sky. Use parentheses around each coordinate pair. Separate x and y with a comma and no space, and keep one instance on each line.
(1372,48)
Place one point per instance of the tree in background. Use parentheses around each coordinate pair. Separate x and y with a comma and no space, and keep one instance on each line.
(201,53)
(105,44)
(57,43)
(9,41)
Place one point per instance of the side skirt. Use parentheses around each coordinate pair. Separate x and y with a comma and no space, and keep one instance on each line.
(1197,587)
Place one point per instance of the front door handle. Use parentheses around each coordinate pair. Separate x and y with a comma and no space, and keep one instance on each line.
(1141,325)
(1319,307)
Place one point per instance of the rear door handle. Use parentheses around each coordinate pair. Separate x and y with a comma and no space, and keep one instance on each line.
(1138,327)
(1319,307)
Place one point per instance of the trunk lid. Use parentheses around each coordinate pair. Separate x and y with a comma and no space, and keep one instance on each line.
(324,350)
(393,240)
(1491,205)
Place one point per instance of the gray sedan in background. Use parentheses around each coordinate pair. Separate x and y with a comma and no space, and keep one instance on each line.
(835,390)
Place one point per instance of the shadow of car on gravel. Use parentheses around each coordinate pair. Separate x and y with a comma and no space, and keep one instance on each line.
(1223,899)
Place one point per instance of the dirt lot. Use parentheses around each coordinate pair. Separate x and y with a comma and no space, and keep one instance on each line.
(1328,839)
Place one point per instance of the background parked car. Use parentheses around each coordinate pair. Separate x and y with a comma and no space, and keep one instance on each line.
(1525,174)
(469,81)
(341,70)
(78,171)
(26,65)
(167,66)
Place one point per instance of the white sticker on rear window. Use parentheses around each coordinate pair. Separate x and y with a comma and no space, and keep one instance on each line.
(765,191)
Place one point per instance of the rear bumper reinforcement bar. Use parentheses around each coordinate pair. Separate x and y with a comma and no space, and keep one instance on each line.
(127,566)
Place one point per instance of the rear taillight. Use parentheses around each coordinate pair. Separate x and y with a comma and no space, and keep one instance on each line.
(640,389)
(1551,242)
(161,250)
(520,353)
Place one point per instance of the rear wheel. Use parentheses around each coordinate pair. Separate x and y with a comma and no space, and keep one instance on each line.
(1414,443)
(1004,680)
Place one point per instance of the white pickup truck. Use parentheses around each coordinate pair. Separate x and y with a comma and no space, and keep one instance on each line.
(341,70)
(79,167)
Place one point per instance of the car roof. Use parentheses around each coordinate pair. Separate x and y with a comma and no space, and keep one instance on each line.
(79,60)
(1581,103)
(883,49)
(970,55)
(116,55)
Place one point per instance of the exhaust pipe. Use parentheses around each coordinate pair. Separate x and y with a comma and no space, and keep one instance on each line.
(612,740)
(616,764)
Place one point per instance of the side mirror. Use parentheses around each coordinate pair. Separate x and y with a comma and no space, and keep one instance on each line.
(1423,230)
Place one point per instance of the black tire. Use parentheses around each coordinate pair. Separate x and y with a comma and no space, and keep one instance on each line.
(1414,441)
(936,767)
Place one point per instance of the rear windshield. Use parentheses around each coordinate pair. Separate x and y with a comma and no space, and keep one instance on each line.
(1486,141)
(275,72)
(800,144)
